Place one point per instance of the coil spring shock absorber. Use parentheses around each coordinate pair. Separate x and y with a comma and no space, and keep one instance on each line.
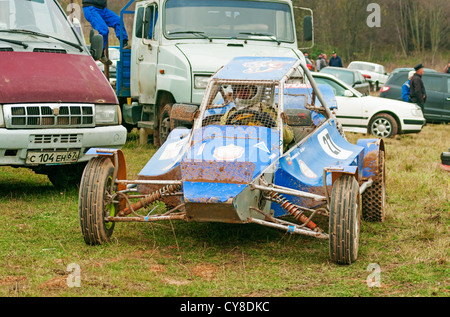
(147,200)
(293,210)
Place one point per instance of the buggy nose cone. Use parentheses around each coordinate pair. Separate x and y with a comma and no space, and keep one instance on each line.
(214,181)
(217,171)
(210,188)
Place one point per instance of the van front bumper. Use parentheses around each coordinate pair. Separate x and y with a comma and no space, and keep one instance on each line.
(15,144)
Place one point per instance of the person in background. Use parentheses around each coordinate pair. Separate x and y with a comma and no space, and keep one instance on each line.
(406,88)
(447,68)
(324,60)
(101,18)
(335,60)
(309,64)
(418,94)
(319,62)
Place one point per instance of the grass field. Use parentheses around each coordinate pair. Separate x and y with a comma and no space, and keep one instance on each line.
(40,242)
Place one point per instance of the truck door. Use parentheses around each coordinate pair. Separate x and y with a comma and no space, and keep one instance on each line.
(146,50)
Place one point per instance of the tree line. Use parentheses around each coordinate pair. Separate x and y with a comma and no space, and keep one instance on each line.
(406,26)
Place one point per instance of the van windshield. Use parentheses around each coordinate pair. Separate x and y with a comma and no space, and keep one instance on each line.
(226,19)
(43,16)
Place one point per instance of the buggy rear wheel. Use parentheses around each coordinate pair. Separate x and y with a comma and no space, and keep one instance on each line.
(374,197)
(344,220)
(95,201)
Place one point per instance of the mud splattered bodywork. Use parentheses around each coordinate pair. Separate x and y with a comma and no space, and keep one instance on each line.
(264,145)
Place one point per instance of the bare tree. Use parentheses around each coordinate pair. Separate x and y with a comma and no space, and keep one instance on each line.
(353,15)
(401,24)
(417,23)
(437,24)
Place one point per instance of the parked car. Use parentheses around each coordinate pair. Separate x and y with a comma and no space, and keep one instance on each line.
(353,78)
(437,86)
(368,114)
(374,73)
(114,56)
(406,69)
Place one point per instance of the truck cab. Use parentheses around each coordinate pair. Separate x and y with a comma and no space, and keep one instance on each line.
(178,45)
(55,103)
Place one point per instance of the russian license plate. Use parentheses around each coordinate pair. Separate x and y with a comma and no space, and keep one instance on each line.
(52,157)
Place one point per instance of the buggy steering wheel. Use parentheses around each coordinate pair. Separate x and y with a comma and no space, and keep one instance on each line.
(245,116)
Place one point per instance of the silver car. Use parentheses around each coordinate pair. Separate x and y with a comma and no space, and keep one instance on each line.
(353,78)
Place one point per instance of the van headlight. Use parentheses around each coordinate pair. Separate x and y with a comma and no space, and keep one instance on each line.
(201,81)
(2,119)
(107,114)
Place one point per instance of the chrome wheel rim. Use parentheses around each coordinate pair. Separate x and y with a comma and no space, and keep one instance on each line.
(381,127)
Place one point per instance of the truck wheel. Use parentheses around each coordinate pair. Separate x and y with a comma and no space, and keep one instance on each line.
(344,220)
(95,201)
(66,176)
(374,197)
(164,105)
(383,125)
(164,124)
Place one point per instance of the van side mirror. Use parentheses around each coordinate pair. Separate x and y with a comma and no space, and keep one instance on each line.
(96,47)
(307,28)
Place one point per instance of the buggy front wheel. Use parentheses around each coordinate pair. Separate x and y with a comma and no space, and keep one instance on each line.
(344,220)
(95,201)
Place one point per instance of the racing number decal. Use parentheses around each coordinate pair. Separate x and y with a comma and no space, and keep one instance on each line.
(262,66)
(333,148)
(330,147)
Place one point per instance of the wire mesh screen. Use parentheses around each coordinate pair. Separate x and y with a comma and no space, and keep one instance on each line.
(301,108)
(242,103)
(256,103)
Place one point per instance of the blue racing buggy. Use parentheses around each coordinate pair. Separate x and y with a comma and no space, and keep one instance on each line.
(263,147)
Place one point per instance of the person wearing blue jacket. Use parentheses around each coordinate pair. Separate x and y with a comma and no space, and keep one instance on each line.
(406,88)
(335,60)
(101,19)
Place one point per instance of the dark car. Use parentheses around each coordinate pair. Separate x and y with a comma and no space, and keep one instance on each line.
(437,86)
(354,78)
(406,69)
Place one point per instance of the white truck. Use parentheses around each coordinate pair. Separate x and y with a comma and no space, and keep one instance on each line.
(178,45)
(55,103)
